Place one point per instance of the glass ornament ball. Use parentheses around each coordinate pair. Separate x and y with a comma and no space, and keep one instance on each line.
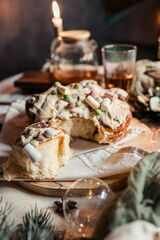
(84,203)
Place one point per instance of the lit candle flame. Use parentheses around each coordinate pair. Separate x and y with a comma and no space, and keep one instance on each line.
(55,9)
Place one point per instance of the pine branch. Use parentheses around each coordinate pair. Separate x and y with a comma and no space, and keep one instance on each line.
(5,229)
(36,226)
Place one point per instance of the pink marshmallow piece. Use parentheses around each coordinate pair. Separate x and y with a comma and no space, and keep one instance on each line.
(92,94)
(40,137)
(88,86)
(71,105)
(111,96)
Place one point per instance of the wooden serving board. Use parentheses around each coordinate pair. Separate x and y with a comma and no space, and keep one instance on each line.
(117,182)
(57,189)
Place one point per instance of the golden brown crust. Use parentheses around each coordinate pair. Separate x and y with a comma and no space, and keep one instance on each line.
(101,135)
(113,135)
(109,126)
(118,133)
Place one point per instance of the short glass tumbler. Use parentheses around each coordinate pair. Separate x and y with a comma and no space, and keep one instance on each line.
(119,61)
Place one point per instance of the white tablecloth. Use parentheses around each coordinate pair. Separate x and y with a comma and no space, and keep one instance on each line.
(21,199)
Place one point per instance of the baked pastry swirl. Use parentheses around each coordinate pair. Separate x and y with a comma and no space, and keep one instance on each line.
(38,153)
(83,109)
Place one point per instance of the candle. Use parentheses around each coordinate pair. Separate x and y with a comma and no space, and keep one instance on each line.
(57,20)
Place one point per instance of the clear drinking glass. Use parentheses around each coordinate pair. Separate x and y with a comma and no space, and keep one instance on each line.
(118,62)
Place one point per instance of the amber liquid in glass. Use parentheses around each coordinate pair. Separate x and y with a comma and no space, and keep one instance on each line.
(71,75)
(120,80)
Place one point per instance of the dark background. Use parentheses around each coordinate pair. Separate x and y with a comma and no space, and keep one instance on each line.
(26,30)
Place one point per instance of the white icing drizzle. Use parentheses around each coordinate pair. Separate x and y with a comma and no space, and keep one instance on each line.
(117,113)
(30,135)
(52,106)
(44,108)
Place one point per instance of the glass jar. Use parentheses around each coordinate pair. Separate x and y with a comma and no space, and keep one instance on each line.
(74,56)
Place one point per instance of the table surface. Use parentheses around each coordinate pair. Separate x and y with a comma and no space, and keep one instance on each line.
(21,199)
